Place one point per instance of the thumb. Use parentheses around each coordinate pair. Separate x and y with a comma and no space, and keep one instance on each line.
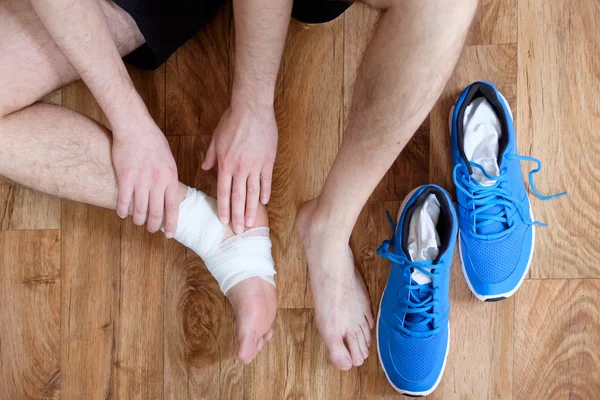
(211,157)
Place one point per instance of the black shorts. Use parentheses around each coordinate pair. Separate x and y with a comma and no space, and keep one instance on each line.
(168,24)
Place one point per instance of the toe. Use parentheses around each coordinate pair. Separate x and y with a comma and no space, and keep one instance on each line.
(352,340)
(362,344)
(338,353)
(248,349)
(366,330)
(369,318)
(269,335)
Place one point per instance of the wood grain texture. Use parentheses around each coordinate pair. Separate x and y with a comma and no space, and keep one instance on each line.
(309,113)
(556,340)
(90,286)
(559,73)
(23,208)
(495,22)
(199,335)
(30,314)
(294,364)
(198,79)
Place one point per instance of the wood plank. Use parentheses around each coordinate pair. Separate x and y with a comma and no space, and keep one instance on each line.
(198,79)
(138,348)
(30,314)
(496,64)
(559,63)
(556,339)
(584,329)
(541,331)
(199,331)
(495,22)
(199,335)
(294,364)
(309,112)
(23,208)
(90,282)
(480,361)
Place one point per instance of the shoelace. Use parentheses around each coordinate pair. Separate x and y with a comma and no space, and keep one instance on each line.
(483,198)
(423,307)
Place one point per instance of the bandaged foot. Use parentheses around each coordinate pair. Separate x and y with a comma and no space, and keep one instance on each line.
(242,265)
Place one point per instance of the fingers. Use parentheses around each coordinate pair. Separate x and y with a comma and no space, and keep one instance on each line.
(140,205)
(224,196)
(156,209)
(171,210)
(238,204)
(211,157)
(125,196)
(266,176)
(252,187)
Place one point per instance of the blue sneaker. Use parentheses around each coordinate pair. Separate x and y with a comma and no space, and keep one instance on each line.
(497,228)
(412,324)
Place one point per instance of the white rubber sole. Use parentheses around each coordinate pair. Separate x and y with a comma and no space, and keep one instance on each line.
(499,296)
(439,378)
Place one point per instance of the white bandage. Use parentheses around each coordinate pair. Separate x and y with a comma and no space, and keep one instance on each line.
(235,259)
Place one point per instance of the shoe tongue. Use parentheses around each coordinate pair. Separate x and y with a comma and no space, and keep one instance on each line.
(423,244)
(482,136)
(423,238)
(481,139)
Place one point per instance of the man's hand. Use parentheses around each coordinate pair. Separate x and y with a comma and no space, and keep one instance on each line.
(147,175)
(244,146)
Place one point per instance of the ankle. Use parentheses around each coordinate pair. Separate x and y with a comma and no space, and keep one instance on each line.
(316,220)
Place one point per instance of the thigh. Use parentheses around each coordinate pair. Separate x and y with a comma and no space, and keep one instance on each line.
(32,65)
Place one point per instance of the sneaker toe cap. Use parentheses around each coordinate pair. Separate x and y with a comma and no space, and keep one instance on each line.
(497,267)
(412,365)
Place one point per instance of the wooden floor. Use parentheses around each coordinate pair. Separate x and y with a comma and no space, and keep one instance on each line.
(95,308)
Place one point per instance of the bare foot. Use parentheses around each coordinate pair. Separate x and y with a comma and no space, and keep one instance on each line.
(342,306)
(254,305)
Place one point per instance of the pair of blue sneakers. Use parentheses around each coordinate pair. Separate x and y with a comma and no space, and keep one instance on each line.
(496,241)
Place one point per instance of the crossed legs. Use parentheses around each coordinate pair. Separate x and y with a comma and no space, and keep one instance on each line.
(63,153)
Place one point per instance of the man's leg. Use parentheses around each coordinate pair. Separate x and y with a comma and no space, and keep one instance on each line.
(63,153)
(404,69)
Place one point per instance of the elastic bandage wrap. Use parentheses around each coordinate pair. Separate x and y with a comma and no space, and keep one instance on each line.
(231,261)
